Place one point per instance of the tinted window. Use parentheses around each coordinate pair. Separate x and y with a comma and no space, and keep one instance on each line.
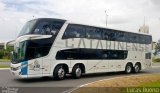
(74,31)
(91,54)
(38,48)
(120,36)
(79,31)
(148,39)
(48,27)
(43,28)
(109,34)
(93,33)
(148,56)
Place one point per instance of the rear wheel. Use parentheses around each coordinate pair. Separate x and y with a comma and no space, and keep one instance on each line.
(137,68)
(77,72)
(128,68)
(59,73)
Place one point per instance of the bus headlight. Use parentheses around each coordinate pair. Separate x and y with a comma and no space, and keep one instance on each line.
(18,67)
(15,68)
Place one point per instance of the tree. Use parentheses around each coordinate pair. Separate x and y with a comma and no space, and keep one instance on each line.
(1,54)
(6,54)
(157,48)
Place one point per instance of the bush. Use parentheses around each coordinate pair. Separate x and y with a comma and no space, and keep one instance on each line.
(1,54)
(156,60)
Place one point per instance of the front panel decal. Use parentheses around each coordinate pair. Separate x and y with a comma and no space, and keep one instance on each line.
(24,68)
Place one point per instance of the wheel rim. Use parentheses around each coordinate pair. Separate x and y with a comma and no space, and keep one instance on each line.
(128,69)
(78,72)
(61,73)
(136,68)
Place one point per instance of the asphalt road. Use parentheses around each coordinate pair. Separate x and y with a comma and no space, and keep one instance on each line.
(52,86)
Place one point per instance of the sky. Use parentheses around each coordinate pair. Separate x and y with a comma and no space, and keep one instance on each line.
(125,15)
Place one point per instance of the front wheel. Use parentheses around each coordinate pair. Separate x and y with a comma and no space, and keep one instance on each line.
(128,68)
(76,72)
(59,73)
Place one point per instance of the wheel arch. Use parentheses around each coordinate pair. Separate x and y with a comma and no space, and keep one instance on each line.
(66,67)
(129,63)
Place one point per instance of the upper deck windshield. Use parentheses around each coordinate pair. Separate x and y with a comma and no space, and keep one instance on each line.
(42,26)
(27,28)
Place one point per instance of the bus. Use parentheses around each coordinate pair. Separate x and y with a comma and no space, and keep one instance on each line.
(56,47)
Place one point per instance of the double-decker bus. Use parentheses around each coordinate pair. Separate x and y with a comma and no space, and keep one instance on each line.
(56,47)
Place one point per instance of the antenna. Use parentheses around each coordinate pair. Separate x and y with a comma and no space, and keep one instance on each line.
(106,17)
(33,16)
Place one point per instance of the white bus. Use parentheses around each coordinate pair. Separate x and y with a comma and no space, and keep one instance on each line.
(56,47)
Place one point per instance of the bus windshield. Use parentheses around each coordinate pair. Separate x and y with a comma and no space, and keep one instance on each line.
(27,28)
(42,26)
(31,49)
(19,52)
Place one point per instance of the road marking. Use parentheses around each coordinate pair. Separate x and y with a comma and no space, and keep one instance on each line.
(4,68)
(73,89)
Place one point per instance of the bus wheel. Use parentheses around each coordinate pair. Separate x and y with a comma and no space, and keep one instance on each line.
(136,68)
(76,72)
(128,68)
(59,72)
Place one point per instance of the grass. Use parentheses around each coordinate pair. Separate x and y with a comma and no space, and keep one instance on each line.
(156,59)
(2,66)
(151,84)
(120,85)
(4,60)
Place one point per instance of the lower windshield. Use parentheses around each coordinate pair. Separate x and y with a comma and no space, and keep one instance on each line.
(19,53)
(31,49)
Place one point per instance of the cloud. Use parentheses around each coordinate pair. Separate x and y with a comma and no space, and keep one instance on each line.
(28,6)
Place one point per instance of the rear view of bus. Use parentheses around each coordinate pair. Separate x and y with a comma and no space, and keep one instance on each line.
(32,44)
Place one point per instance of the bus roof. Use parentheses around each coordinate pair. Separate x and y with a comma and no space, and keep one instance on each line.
(49,19)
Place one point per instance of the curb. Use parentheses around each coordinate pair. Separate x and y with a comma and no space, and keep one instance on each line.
(4,68)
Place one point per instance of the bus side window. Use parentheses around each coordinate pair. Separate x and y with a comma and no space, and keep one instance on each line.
(74,31)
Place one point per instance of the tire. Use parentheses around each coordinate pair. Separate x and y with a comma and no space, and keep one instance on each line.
(59,73)
(136,68)
(128,68)
(76,72)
